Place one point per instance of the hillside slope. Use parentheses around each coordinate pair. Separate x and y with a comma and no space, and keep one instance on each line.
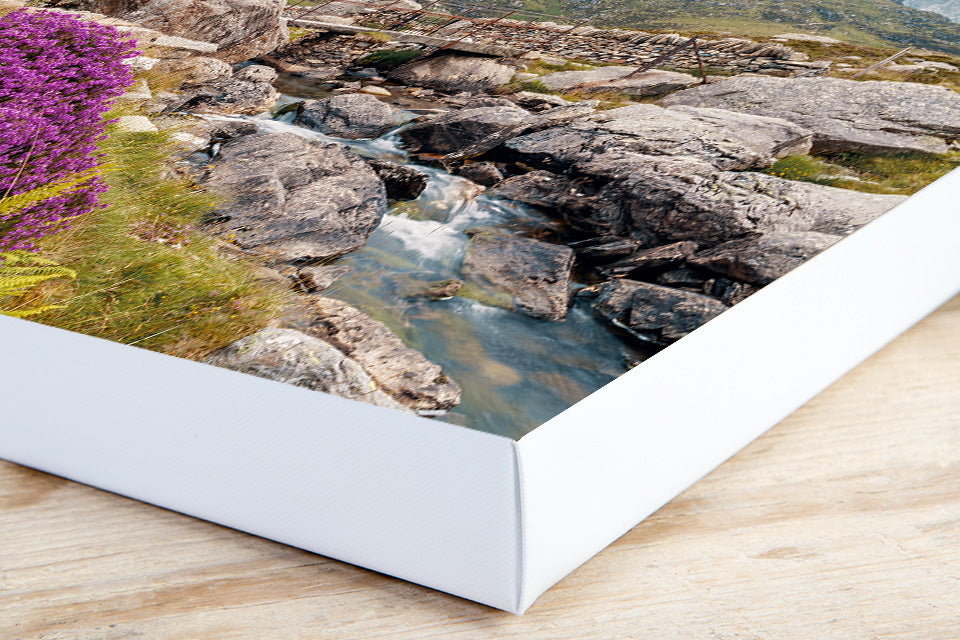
(949,8)
(868,22)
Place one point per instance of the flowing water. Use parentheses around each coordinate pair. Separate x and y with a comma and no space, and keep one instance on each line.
(516,372)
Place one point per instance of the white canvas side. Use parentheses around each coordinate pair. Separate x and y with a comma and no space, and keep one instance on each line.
(425,501)
(597,469)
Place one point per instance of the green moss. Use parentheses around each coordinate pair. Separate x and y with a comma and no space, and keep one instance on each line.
(386,59)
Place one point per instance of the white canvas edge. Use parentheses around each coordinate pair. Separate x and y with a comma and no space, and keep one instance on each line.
(421,500)
(596,470)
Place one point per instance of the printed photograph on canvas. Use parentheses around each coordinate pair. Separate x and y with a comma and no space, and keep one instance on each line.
(479,213)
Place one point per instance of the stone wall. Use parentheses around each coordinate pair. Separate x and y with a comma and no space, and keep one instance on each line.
(621,46)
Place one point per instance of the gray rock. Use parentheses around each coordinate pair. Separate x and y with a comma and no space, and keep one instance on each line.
(483,173)
(402,372)
(402,182)
(228,96)
(294,200)
(457,130)
(241,29)
(566,80)
(670,255)
(256,73)
(658,200)
(454,73)
(844,115)
(538,101)
(647,84)
(291,357)
(320,277)
(603,249)
(728,140)
(352,116)
(651,312)
(519,274)
(762,259)
(195,70)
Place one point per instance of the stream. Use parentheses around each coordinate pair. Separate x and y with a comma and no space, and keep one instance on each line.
(516,372)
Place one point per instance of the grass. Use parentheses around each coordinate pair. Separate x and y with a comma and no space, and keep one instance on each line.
(146,275)
(902,173)
(387,59)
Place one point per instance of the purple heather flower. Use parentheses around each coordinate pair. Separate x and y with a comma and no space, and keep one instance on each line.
(59,75)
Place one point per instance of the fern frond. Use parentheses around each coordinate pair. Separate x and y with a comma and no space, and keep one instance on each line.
(24,313)
(20,271)
(11,205)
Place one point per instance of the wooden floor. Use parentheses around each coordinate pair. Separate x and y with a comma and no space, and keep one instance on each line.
(841,522)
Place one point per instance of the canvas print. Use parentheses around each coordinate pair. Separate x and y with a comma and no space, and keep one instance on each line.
(477,213)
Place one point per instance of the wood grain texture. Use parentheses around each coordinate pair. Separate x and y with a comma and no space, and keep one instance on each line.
(841,522)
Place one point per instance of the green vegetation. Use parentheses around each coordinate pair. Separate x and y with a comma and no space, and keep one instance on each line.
(20,273)
(902,173)
(387,59)
(865,22)
(146,276)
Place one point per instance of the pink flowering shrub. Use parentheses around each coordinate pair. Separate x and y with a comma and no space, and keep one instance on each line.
(58,75)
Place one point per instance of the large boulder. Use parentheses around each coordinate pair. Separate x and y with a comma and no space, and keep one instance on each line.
(404,373)
(352,116)
(242,29)
(844,115)
(658,200)
(292,199)
(764,258)
(289,356)
(458,130)
(567,80)
(519,274)
(651,312)
(645,85)
(726,139)
(249,91)
(454,72)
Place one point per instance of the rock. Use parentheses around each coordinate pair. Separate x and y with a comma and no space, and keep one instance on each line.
(374,90)
(732,292)
(291,357)
(844,115)
(726,139)
(196,69)
(647,84)
(656,200)
(483,173)
(603,249)
(519,274)
(685,278)
(538,101)
(135,124)
(409,287)
(139,92)
(404,373)
(764,258)
(256,73)
(352,116)
(241,29)
(651,312)
(294,200)
(228,96)
(320,277)
(319,73)
(670,255)
(454,73)
(402,182)
(806,37)
(457,130)
(567,80)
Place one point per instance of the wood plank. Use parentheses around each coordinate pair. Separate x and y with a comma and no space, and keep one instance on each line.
(841,522)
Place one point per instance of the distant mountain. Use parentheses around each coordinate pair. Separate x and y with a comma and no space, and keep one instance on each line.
(949,8)
(866,22)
